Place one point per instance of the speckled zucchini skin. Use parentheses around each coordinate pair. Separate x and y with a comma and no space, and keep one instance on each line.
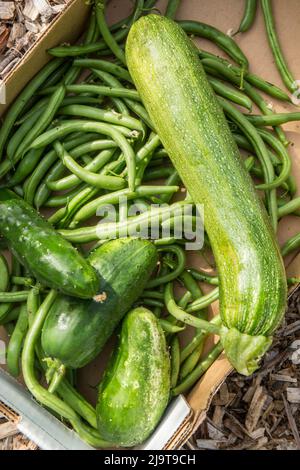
(75,330)
(171,81)
(135,389)
(48,256)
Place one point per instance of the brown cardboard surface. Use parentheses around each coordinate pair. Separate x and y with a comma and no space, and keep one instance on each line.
(226,15)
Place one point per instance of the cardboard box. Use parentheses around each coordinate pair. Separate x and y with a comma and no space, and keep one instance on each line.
(181,420)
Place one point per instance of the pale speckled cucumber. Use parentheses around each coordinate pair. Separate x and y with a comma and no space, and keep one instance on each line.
(50,258)
(75,330)
(136,386)
(170,79)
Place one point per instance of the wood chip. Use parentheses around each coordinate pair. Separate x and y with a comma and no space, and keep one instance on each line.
(218,415)
(283,378)
(4,35)
(256,408)
(7,10)
(8,429)
(293,394)
(292,422)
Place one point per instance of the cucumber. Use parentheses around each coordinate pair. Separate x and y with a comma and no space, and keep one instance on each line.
(50,258)
(75,330)
(171,81)
(135,388)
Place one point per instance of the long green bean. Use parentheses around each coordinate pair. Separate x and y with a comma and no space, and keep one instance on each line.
(261,152)
(194,376)
(85,126)
(43,396)
(280,62)
(16,341)
(22,99)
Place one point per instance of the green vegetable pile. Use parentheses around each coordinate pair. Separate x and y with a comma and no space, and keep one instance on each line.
(150,116)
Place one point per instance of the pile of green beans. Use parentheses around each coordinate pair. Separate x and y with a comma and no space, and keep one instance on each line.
(76,148)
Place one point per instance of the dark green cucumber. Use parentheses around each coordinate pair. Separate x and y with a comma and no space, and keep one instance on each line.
(171,81)
(76,330)
(50,258)
(136,386)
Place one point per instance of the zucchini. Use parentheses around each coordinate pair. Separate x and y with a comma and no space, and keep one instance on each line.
(171,81)
(135,388)
(50,258)
(75,330)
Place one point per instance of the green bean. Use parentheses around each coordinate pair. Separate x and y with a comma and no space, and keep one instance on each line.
(222,40)
(204,301)
(22,281)
(110,80)
(174,178)
(172,8)
(251,78)
(46,163)
(249,16)
(17,138)
(73,200)
(15,343)
(43,121)
(77,50)
(157,173)
(204,277)
(184,301)
(11,297)
(12,315)
(102,115)
(153,303)
(22,99)
(25,167)
(93,179)
(71,396)
(54,78)
(57,378)
(105,32)
(6,307)
(280,62)
(181,259)
(291,245)
(273,119)
(289,184)
(33,303)
(285,158)
(69,100)
(190,363)
(261,152)
(105,66)
(120,229)
(135,106)
(4,274)
(192,346)
(175,360)
(72,126)
(194,376)
(153,294)
(95,165)
(289,208)
(113,198)
(184,316)
(191,285)
(169,327)
(43,396)
(230,93)
(212,65)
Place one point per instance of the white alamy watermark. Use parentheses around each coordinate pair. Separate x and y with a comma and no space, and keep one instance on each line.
(181,221)
(2,92)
